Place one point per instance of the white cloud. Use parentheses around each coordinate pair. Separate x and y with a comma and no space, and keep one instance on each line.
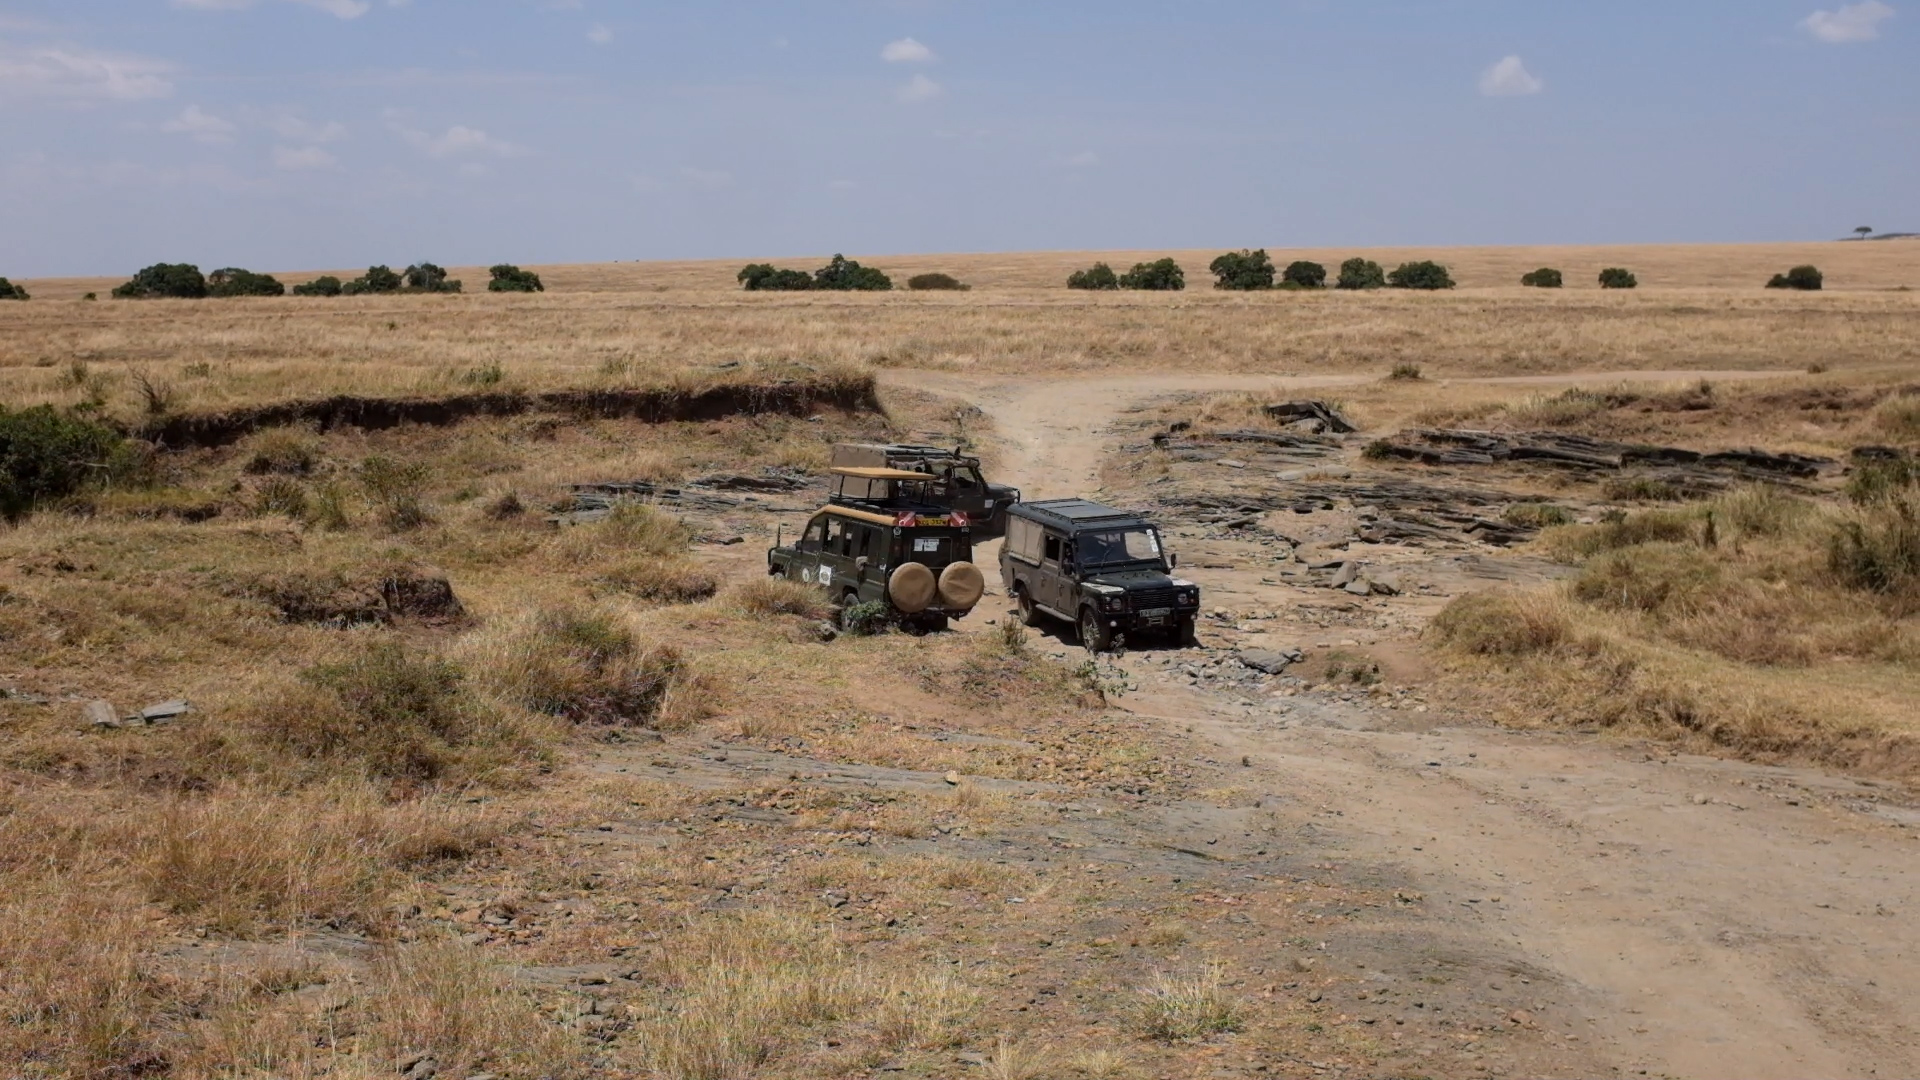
(1509,78)
(920,89)
(301,159)
(457,141)
(906,51)
(299,130)
(342,9)
(81,75)
(200,125)
(1852,23)
(599,35)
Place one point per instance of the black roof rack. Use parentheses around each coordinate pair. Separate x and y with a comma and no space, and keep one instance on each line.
(1073,513)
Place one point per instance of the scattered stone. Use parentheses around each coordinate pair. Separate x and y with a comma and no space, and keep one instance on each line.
(101,714)
(1360,587)
(953,778)
(1349,573)
(1521,1017)
(1231,464)
(1387,585)
(1267,660)
(1315,997)
(420,1068)
(1303,964)
(1701,800)
(163,712)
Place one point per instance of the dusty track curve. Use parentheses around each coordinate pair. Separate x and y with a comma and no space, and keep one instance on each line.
(1716,919)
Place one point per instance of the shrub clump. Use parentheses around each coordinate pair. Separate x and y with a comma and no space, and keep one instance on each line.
(1425,274)
(764,277)
(579,664)
(777,596)
(398,490)
(395,714)
(427,278)
(1361,274)
(509,278)
(179,281)
(1803,278)
(233,281)
(1161,275)
(1305,275)
(324,285)
(377,279)
(936,283)
(844,275)
(1614,277)
(1544,278)
(47,454)
(1876,548)
(1098,277)
(10,291)
(1244,270)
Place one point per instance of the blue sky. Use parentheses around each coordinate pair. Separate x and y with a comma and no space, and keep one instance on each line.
(289,134)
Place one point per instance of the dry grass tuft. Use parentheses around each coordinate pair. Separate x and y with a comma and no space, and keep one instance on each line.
(664,581)
(582,664)
(778,596)
(1175,1007)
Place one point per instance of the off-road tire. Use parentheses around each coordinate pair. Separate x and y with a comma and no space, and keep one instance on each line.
(1023,603)
(1095,635)
(1183,634)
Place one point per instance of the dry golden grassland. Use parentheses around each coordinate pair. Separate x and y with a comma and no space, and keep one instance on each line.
(676,324)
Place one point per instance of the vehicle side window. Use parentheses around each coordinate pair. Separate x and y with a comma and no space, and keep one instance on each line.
(836,536)
(966,479)
(815,535)
(1053,549)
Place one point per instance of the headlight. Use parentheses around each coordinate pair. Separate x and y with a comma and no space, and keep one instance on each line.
(1116,603)
(1190,598)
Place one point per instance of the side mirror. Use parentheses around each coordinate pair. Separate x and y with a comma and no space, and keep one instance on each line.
(1173,561)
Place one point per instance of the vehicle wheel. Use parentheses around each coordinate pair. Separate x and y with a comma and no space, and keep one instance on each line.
(777,571)
(1029,615)
(1094,633)
(1184,636)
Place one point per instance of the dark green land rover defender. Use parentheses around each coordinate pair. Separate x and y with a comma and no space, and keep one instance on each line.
(1104,570)
(887,546)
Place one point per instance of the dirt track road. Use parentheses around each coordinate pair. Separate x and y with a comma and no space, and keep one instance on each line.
(1714,919)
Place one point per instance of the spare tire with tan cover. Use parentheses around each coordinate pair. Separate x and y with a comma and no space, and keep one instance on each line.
(911,587)
(961,586)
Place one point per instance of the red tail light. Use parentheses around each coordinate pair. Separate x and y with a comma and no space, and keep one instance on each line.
(903,521)
(959,519)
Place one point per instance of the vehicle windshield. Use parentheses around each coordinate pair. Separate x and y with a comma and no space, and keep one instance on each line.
(1118,546)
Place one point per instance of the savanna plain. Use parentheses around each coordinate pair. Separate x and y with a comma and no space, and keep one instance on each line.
(1552,712)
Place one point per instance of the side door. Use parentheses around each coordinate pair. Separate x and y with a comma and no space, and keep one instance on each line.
(1051,582)
(869,555)
(836,568)
(805,562)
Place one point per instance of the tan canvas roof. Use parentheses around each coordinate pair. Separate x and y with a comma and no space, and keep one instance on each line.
(874,473)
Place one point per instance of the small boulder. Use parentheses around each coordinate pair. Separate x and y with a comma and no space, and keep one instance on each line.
(1349,573)
(101,714)
(1265,660)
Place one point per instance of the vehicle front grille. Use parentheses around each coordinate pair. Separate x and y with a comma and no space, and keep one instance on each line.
(1149,599)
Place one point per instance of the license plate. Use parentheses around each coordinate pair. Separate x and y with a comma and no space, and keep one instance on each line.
(1158,613)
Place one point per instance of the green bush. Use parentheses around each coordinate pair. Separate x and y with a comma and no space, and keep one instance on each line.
(1544,278)
(47,454)
(377,279)
(1161,275)
(1614,277)
(396,714)
(1875,481)
(398,489)
(179,281)
(1361,274)
(325,285)
(234,281)
(1305,275)
(427,278)
(1243,270)
(936,283)
(509,278)
(1099,276)
(10,291)
(1430,276)
(763,277)
(845,275)
(1804,278)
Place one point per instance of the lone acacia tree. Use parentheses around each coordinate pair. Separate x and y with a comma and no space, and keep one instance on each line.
(1864,231)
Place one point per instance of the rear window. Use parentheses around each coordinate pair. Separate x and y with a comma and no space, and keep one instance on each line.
(930,550)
